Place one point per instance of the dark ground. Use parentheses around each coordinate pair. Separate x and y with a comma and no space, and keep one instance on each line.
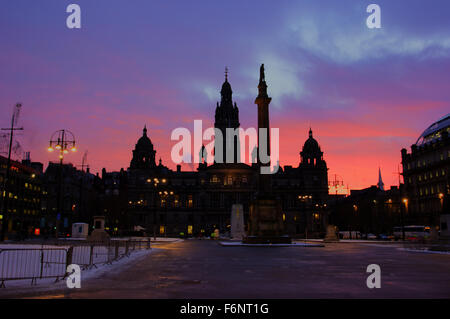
(203,269)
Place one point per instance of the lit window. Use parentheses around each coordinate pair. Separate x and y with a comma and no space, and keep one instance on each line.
(214,179)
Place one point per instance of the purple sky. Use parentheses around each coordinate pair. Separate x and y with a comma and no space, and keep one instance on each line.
(366,93)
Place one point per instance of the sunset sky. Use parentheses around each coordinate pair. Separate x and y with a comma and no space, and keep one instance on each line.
(366,93)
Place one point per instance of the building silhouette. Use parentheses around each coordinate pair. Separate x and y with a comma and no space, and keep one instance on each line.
(168,202)
(426,176)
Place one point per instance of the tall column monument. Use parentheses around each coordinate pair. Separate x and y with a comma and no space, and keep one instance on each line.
(266,225)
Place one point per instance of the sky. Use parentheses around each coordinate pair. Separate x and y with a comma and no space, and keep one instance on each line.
(366,93)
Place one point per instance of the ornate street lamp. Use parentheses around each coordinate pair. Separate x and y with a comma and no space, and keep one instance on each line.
(62,141)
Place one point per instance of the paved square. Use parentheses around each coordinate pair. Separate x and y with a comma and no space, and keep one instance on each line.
(204,269)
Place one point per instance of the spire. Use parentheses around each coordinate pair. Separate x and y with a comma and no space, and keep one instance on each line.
(310,132)
(226,91)
(380,180)
(145,130)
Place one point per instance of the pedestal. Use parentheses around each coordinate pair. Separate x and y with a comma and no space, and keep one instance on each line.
(331,235)
(266,225)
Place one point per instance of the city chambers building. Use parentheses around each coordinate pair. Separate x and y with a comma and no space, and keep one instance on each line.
(162,201)
(426,176)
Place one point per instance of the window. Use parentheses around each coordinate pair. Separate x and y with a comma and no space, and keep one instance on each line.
(214,179)
(190,201)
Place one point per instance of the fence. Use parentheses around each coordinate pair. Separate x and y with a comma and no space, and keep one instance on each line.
(52,261)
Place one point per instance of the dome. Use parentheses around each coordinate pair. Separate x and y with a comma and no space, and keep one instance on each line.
(144,141)
(311,146)
(434,131)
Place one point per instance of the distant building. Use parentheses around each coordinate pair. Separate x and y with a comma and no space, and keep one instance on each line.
(370,210)
(78,195)
(24,194)
(426,175)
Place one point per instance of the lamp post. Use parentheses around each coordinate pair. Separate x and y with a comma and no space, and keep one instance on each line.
(160,194)
(405,202)
(62,141)
(355,214)
(164,197)
(155,182)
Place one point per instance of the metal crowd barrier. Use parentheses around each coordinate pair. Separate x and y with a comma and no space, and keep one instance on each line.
(50,262)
